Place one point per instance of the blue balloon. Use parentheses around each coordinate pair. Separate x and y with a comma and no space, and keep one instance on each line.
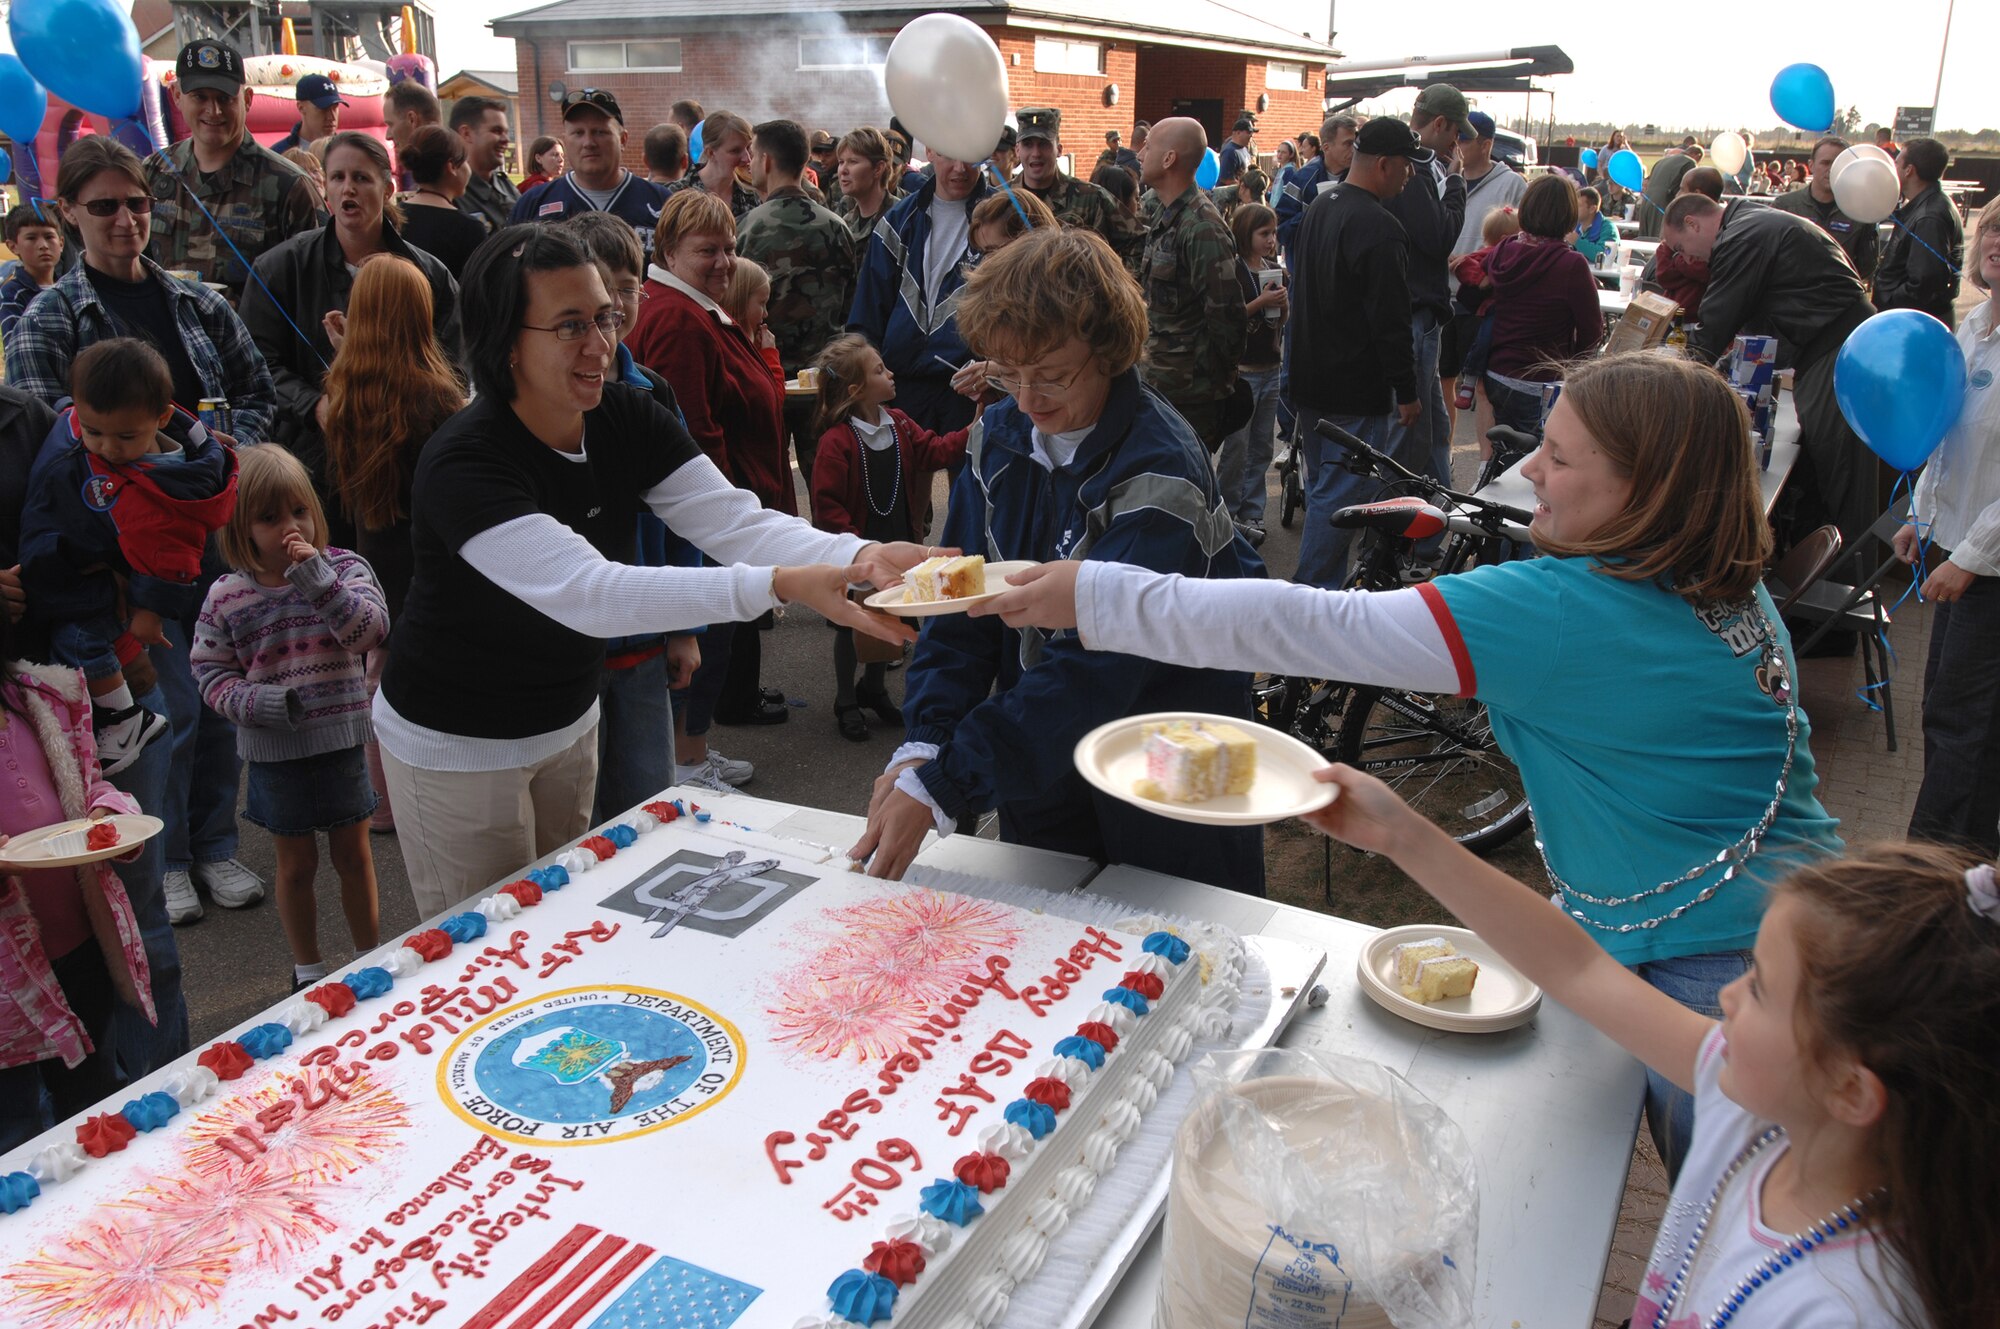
(24,103)
(1802,95)
(694,145)
(6,167)
(1625,170)
(1206,174)
(84,51)
(1587,158)
(1900,381)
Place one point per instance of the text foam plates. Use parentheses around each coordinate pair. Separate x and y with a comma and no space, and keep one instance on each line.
(891,601)
(1501,998)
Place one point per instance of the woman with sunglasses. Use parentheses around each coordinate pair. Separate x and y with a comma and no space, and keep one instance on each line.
(296,309)
(119,292)
(521,516)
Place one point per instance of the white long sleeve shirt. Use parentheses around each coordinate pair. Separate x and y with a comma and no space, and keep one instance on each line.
(1959,492)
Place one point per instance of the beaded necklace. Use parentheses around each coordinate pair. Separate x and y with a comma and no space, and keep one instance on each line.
(896,482)
(1731,860)
(1795,1249)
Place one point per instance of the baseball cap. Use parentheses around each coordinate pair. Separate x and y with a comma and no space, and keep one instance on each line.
(1482,125)
(822,141)
(209,64)
(1043,122)
(595,98)
(319,90)
(1447,101)
(1007,139)
(1244,122)
(1386,136)
(1110,136)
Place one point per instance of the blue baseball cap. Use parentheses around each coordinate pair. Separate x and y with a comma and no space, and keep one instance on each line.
(319,90)
(1482,124)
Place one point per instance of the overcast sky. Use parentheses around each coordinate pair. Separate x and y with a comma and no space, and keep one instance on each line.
(1673,65)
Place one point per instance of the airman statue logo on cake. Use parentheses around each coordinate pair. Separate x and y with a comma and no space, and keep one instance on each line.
(586,1065)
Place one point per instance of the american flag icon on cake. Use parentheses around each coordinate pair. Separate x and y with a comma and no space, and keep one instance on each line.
(598,1280)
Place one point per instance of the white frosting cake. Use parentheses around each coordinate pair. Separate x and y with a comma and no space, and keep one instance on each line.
(679,1079)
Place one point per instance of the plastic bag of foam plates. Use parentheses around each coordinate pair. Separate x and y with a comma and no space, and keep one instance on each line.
(1311,1191)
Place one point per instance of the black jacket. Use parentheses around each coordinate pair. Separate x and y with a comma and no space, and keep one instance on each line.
(1773,272)
(25,422)
(1914,273)
(1431,222)
(1859,239)
(308,276)
(1350,325)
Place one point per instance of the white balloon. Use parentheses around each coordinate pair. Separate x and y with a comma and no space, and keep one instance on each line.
(948,85)
(1858,152)
(1728,152)
(1867,190)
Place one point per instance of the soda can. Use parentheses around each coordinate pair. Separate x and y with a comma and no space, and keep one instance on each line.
(1550,391)
(214,414)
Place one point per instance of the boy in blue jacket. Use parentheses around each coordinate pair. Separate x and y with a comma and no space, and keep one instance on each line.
(1084,461)
(128,489)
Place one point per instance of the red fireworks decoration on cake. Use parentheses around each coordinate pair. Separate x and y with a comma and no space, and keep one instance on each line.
(890,960)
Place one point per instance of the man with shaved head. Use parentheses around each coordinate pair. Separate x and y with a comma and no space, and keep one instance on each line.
(1197,325)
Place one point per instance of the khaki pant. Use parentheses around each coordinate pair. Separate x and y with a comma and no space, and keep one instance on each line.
(462,831)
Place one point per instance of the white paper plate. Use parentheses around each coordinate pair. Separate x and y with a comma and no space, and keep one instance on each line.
(51,846)
(1113,757)
(891,601)
(1501,999)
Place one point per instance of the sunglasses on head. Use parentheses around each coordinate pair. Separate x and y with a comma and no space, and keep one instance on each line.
(138,205)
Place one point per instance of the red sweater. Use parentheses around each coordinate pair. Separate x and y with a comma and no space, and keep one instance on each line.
(839,499)
(734,408)
(1544,307)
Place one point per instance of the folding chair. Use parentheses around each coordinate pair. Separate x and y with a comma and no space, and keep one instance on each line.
(1808,561)
(1860,609)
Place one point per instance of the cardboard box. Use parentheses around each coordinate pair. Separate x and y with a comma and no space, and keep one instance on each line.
(1643,324)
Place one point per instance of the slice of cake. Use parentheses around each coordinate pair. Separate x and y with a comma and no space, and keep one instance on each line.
(1443,976)
(1413,953)
(945,578)
(1191,762)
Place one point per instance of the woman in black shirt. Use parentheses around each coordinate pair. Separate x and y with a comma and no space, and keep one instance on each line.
(435,158)
(522,516)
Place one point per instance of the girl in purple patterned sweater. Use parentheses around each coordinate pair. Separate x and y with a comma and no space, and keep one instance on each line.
(279,650)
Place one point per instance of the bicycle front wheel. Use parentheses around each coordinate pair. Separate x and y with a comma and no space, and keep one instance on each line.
(1438,754)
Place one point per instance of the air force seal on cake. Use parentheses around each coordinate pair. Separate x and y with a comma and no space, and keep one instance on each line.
(586,1065)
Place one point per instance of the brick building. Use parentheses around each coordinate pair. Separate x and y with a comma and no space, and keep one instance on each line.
(1105,63)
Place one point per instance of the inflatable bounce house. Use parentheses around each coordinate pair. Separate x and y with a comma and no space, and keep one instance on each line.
(273,107)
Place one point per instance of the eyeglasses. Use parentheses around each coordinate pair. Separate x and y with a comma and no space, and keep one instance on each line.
(574,329)
(630,293)
(138,205)
(1046,391)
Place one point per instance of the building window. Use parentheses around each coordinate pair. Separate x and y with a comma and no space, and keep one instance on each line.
(843,52)
(662,56)
(1054,55)
(1288,78)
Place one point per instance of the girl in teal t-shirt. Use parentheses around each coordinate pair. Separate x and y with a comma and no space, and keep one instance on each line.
(1638,675)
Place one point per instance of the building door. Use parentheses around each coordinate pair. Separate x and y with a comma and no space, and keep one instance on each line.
(1207,110)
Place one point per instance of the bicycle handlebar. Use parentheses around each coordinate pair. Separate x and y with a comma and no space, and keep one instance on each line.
(1495,513)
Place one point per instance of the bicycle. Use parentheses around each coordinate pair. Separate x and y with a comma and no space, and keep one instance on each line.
(1437,751)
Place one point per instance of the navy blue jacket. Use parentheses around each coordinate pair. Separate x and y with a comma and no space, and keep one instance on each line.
(1294,199)
(889,305)
(637,201)
(1006,707)
(71,528)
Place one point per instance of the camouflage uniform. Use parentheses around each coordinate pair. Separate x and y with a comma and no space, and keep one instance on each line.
(1250,189)
(811,256)
(1128,239)
(862,227)
(742,198)
(259,198)
(1078,203)
(1194,307)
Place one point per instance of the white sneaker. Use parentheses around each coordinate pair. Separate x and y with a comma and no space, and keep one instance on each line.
(738,773)
(704,777)
(183,905)
(123,735)
(233,885)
